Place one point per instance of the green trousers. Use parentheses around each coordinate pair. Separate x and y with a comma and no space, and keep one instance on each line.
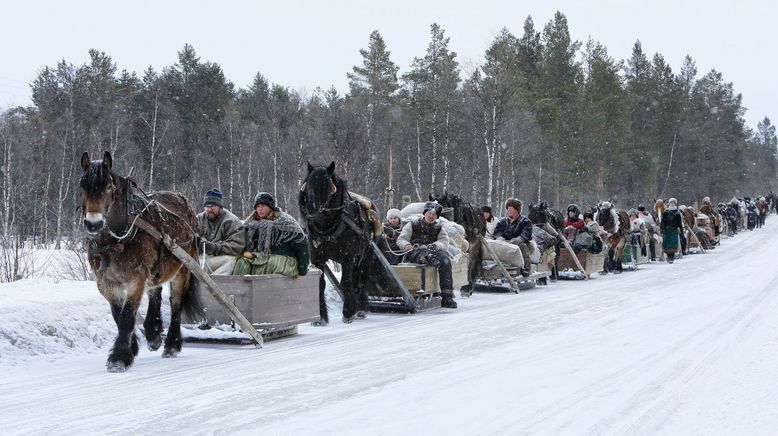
(266,264)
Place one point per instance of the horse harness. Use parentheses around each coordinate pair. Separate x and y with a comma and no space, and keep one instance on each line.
(129,221)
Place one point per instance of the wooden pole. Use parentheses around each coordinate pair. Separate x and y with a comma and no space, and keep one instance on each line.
(192,265)
(503,271)
(547,227)
(413,305)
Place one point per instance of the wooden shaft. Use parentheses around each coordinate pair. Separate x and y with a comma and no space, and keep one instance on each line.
(547,227)
(500,268)
(192,265)
(413,305)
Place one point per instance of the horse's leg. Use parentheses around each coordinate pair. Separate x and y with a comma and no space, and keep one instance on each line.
(179,286)
(349,293)
(475,260)
(361,282)
(324,318)
(125,347)
(152,326)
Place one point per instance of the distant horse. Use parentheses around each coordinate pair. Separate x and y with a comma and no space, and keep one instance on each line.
(550,220)
(340,227)
(127,260)
(616,223)
(474,223)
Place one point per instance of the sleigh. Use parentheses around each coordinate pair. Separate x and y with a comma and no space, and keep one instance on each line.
(568,269)
(630,264)
(274,305)
(496,276)
(421,282)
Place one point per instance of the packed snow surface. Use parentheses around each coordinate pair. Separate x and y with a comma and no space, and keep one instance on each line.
(682,349)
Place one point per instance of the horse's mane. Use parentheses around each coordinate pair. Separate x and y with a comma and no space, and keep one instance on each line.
(95,179)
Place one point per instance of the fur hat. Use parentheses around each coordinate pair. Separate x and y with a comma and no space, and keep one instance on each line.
(213,196)
(393,213)
(433,205)
(266,199)
(606,205)
(486,209)
(672,201)
(641,208)
(514,203)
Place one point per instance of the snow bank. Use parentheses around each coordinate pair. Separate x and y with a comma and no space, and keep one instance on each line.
(48,318)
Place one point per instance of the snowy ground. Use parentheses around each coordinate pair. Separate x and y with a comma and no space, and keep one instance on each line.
(689,348)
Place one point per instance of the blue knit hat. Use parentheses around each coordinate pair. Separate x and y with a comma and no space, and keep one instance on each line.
(213,196)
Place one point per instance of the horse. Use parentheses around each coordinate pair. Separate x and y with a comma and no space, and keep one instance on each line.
(340,227)
(127,260)
(616,223)
(551,221)
(474,223)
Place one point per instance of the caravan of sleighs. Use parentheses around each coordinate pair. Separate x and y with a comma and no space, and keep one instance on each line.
(404,260)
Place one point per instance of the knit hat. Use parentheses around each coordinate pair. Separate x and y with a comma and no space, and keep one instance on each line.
(393,213)
(433,205)
(266,199)
(486,209)
(514,203)
(641,208)
(213,196)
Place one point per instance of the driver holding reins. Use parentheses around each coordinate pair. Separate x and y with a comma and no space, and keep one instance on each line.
(426,242)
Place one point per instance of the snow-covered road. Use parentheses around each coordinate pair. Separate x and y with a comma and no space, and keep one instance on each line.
(689,348)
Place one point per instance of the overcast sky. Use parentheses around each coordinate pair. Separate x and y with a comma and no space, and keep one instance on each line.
(304,44)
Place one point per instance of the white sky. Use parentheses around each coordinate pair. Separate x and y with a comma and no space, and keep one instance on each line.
(304,44)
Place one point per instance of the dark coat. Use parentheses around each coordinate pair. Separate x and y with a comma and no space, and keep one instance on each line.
(520,228)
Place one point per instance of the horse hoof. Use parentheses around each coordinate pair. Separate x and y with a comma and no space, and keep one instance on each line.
(319,323)
(116,366)
(361,314)
(169,353)
(348,320)
(154,344)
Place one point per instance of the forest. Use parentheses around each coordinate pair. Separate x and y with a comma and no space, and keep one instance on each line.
(543,117)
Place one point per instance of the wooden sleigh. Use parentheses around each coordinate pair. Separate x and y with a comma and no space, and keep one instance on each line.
(273,304)
(592,263)
(495,276)
(421,282)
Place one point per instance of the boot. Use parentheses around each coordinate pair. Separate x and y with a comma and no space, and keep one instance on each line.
(448,300)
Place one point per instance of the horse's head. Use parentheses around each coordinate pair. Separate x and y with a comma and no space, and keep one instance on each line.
(604,214)
(537,213)
(98,192)
(318,189)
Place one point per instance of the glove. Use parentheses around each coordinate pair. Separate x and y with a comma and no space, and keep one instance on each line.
(302,270)
(248,255)
(432,247)
(211,248)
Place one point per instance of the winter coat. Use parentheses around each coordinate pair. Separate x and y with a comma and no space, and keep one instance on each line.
(279,234)
(578,224)
(225,232)
(417,231)
(490,225)
(672,227)
(520,228)
(648,220)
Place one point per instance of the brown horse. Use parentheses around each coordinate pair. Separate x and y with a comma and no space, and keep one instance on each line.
(127,260)
(616,223)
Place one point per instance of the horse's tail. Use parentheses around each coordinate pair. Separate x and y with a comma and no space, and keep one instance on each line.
(190,303)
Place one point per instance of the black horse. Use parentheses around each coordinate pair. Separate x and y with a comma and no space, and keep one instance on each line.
(541,215)
(471,218)
(341,229)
